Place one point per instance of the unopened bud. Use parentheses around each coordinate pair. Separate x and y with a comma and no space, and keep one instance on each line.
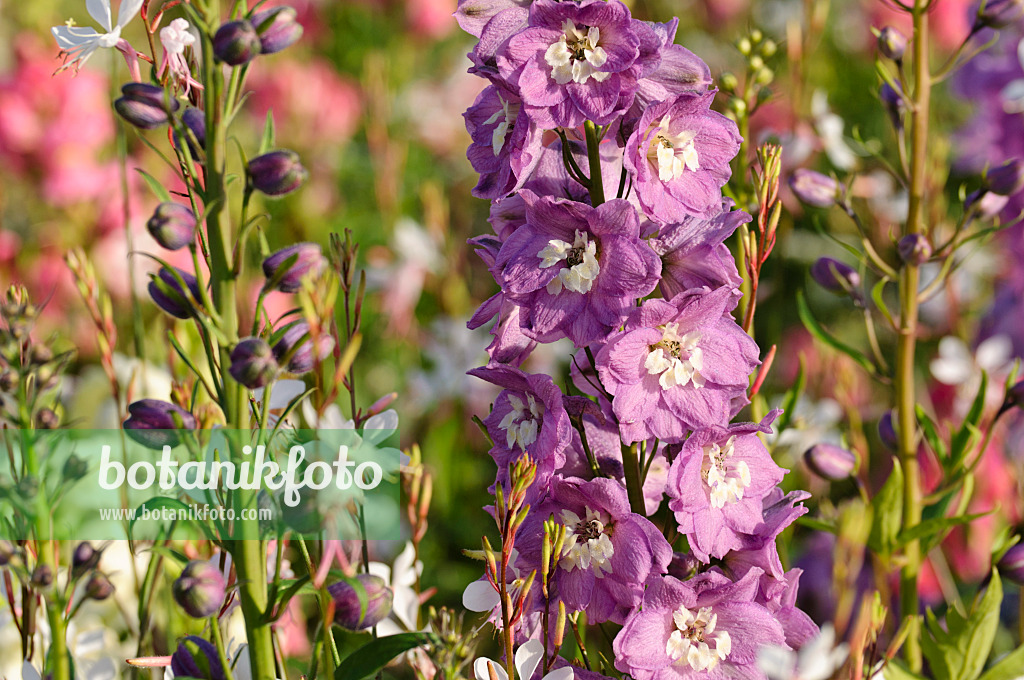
(728,82)
(987,204)
(75,468)
(169,295)
(894,104)
(236,43)
(914,249)
(47,419)
(683,565)
(830,462)
(253,363)
(1011,565)
(277,173)
(892,43)
(98,587)
(288,266)
(814,188)
(835,276)
(887,430)
(40,354)
(277,28)
(42,576)
(347,610)
(7,552)
(172,225)
(145,106)
(998,14)
(195,120)
(296,354)
(8,381)
(200,589)
(84,558)
(1007,179)
(197,658)
(154,423)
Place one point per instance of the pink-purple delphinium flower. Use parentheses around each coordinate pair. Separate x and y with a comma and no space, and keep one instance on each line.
(510,345)
(506,144)
(608,553)
(679,70)
(716,485)
(578,61)
(677,365)
(678,157)
(706,628)
(693,252)
(575,270)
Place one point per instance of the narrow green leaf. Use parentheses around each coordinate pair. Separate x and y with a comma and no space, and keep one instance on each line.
(267,141)
(155,186)
(815,329)
(877,294)
(817,524)
(935,528)
(931,435)
(895,670)
(1008,668)
(976,641)
(959,445)
(373,656)
(888,511)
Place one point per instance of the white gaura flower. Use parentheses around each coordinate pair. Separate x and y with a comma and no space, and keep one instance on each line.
(402,577)
(816,660)
(79,42)
(527,658)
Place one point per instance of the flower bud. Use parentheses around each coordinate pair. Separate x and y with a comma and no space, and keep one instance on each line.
(253,363)
(47,419)
(171,297)
(998,14)
(728,82)
(300,260)
(7,552)
(987,204)
(346,602)
(892,43)
(296,354)
(196,658)
(152,423)
(8,381)
(1007,179)
(835,276)
(75,468)
(1011,565)
(830,462)
(1014,396)
(277,173)
(84,558)
(40,354)
(42,576)
(172,225)
(277,28)
(195,120)
(145,106)
(683,565)
(98,587)
(814,188)
(236,43)
(914,249)
(200,589)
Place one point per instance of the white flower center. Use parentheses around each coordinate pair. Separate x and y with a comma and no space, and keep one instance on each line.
(508,115)
(586,545)
(672,154)
(676,358)
(522,422)
(581,256)
(725,480)
(175,37)
(692,640)
(577,55)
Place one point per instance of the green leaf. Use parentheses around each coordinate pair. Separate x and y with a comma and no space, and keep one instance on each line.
(960,444)
(976,641)
(877,294)
(155,186)
(931,435)
(792,396)
(820,334)
(817,524)
(267,141)
(888,511)
(1008,668)
(372,657)
(895,670)
(931,528)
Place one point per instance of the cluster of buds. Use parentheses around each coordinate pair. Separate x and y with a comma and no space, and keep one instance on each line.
(266,32)
(453,648)
(745,97)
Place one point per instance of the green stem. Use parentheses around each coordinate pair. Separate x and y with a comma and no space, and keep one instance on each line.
(594,159)
(909,281)
(634,487)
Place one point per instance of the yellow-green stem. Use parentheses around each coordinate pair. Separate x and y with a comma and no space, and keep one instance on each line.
(634,485)
(909,281)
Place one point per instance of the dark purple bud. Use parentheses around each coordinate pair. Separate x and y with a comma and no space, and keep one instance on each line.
(914,249)
(286,268)
(1011,564)
(277,28)
(75,468)
(346,602)
(200,589)
(145,106)
(253,363)
(998,14)
(7,552)
(277,173)
(172,225)
(1014,396)
(169,295)
(236,42)
(1007,179)
(47,419)
(987,204)
(683,566)
(835,276)
(895,106)
(42,576)
(814,188)
(892,43)
(196,658)
(84,558)
(98,587)
(830,462)
(153,423)
(295,353)
(195,120)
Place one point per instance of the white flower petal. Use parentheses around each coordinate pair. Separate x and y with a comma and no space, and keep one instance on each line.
(480,596)
(70,37)
(99,10)
(482,673)
(129,8)
(565,673)
(994,353)
(528,656)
